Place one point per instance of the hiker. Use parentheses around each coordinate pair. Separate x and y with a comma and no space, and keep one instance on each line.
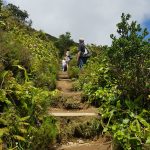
(68,53)
(68,57)
(64,64)
(82,52)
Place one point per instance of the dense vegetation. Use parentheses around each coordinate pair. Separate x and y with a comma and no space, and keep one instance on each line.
(116,79)
(28,72)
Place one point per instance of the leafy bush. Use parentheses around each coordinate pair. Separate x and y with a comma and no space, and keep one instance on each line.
(73,70)
(23,109)
(117,81)
(28,68)
(43,137)
(129,59)
(63,43)
(88,129)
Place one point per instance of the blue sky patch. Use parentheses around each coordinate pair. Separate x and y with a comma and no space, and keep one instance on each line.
(146,24)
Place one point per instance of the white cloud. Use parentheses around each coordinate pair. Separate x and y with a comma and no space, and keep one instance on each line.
(94,20)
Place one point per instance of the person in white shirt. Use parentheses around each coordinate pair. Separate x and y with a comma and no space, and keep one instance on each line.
(64,64)
(68,57)
(68,53)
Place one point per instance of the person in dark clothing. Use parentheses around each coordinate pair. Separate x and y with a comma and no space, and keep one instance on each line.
(81,59)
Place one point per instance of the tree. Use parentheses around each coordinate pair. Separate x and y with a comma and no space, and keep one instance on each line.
(21,15)
(1,3)
(64,41)
(129,56)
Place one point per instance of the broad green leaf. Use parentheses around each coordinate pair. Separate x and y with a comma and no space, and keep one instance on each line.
(24,123)
(148,140)
(138,126)
(25,72)
(18,137)
(22,130)
(8,102)
(126,121)
(143,121)
(3,131)
(114,127)
(105,129)
(24,118)
(3,74)
(2,121)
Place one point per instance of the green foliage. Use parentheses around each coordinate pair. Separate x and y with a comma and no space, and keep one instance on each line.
(15,127)
(88,129)
(117,80)
(73,70)
(39,59)
(28,69)
(24,108)
(94,79)
(1,3)
(131,131)
(16,12)
(46,133)
(129,58)
(63,43)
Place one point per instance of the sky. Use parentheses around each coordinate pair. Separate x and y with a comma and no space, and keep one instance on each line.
(93,20)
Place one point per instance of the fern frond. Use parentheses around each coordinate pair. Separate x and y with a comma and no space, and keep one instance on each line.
(3,131)
(23,130)
(3,121)
(3,74)
(24,123)
(25,72)
(24,118)
(18,137)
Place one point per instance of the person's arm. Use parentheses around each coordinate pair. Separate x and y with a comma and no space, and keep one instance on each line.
(78,55)
(79,52)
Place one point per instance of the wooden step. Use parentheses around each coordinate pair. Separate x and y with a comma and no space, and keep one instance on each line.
(71,114)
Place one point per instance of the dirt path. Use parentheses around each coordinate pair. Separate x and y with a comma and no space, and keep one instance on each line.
(71,112)
(96,145)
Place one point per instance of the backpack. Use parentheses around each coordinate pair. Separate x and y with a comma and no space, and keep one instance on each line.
(84,51)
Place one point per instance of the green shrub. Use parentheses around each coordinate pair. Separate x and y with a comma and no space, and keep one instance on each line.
(28,68)
(43,136)
(118,83)
(25,107)
(73,70)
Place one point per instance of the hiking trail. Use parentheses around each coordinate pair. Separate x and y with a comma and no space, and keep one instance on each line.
(75,118)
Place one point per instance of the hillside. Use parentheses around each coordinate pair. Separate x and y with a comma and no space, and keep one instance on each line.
(28,72)
(104,105)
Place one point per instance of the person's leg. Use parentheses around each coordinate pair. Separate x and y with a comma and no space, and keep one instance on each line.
(65,67)
(62,67)
(84,60)
(80,65)
(67,64)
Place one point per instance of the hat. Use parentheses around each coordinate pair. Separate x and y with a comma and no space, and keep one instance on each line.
(81,39)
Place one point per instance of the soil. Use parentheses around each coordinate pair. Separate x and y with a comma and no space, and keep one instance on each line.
(91,145)
(75,111)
